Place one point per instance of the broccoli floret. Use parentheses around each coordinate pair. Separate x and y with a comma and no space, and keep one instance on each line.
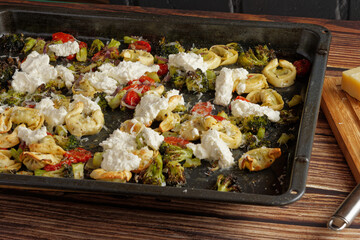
(178,77)
(255,124)
(7,70)
(29,44)
(260,58)
(12,43)
(197,81)
(254,129)
(226,184)
(67,142)
(175,174)
(12,98)
(75,170)
(289,116)
(170,48)
(284,138)
(95,47)
(175,153)
(101,101)
(44,173)
(253,141)
(153,174)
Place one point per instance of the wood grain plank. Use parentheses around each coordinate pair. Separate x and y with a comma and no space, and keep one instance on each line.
(343,121)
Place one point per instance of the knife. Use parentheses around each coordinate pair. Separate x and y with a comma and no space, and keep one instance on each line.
(346,212)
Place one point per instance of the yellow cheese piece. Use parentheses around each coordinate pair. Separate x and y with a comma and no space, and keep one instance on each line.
(351,82)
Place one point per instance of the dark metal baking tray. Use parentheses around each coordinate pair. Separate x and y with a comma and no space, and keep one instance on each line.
(284,182)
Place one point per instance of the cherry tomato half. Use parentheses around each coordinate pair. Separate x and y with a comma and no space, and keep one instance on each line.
(64,37)
(163,69)
(202,108)
(132,98)
(140,45)
(78,154)
(302,66)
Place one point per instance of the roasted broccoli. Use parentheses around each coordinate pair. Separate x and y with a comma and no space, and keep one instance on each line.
(67,142)
(255,124)
(29,44)
(226,184)
(284,138)
(175,174)
(254,128)
(11,44)
(12,98)
(170,48)
(260,58)
(175,153)
(197,81)
(153,174)
(95,47)
(7,70)
(101,101)
(44,173)
(289,116)
(75,170)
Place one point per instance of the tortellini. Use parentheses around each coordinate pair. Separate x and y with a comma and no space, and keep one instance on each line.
(254,81)
(280,73)
(111,176)
(79,125)
(138,55)
(259,158)
(6,164)
(268,97)
(229,133)
(228,55)
(34,160)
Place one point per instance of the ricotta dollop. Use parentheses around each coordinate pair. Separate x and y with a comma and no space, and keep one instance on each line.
(117,154)
(149,107)
(213,148)
(225,83)
(152,138)
(29,136)
(53,116)
(127,71)
(35,70)
(65,49)
(187,61)
(241,108)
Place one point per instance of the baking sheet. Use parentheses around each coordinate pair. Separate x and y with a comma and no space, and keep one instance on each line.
(282,183)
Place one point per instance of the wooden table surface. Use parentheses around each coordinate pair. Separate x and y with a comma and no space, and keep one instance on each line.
(30,214)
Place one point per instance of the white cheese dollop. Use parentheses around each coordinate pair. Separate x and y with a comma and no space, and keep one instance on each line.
(66,75)
(89,105)
(241,108)
(213,148)
(127,71)
(152,138)
(53,116)
(149,107)
(187,61)
(225,83)
(117,154)
(102,82)
(29,136)
(35,70)
(65,49)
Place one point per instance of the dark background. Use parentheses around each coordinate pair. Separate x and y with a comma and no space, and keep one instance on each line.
(329,9)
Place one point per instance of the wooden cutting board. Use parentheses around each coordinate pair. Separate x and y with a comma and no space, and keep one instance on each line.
(343,114)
